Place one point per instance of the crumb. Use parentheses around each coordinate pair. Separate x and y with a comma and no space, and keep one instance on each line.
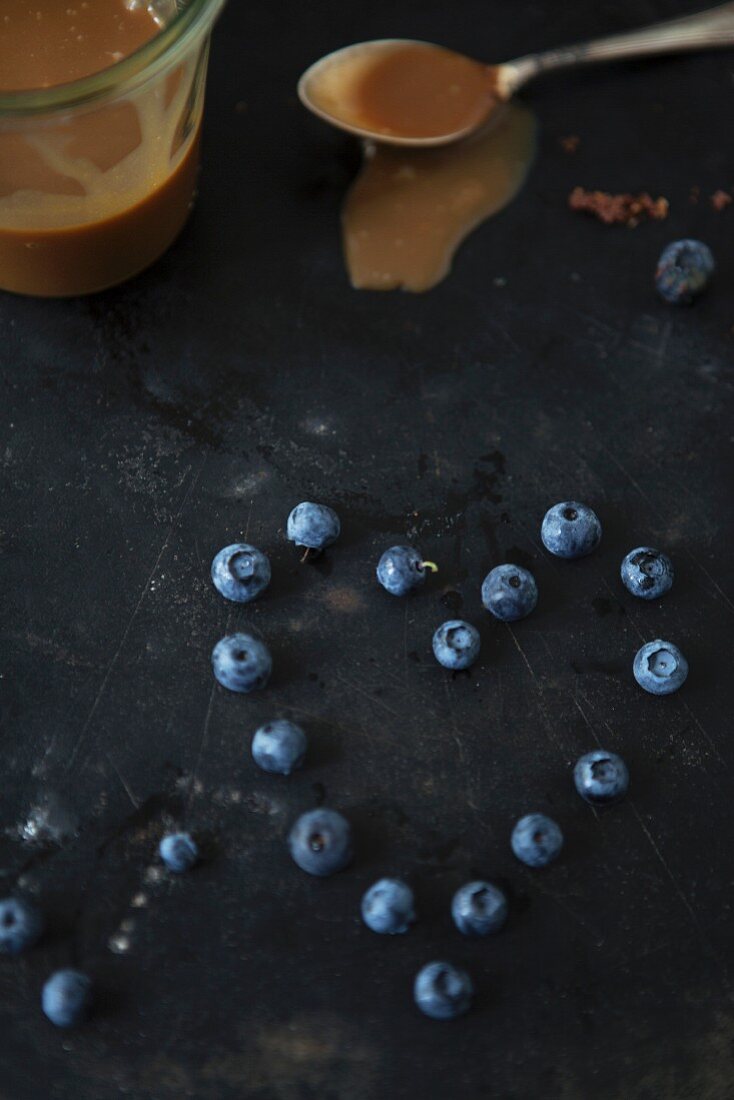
(695,194)
(570,144)
(720,200)
(618,209)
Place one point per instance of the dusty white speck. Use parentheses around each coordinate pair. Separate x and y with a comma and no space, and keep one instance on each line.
(315,425)
(49,820)
(244,484)
(139,901)
(153,874)
(119,943)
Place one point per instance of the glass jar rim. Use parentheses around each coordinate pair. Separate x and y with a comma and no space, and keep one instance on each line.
(130,71)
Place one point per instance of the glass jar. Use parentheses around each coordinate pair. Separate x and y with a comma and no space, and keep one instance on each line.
(97,176)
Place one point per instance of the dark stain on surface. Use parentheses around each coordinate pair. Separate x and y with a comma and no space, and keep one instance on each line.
(515,555)
(606,668)
(604,606)
(452,600)
(437,849)
(488,472)
(319,792)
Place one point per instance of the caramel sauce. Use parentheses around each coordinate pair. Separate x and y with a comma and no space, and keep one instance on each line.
(89,197)
(409,209)
(84,258)
(405,90)
(49,42)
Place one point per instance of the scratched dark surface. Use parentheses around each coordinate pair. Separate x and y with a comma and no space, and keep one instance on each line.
(146,427)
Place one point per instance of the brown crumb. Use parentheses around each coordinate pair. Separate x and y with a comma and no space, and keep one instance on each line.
(720,200)
(570,144)
(695,194)
(618,209)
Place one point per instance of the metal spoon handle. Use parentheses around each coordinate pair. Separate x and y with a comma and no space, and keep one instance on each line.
(704,30)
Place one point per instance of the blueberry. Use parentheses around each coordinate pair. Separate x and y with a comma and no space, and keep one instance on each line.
(570,530)
(536,840)
(240,572)
(21,925)
(313,525)
(647,573)
(442,991)
(66,997)
(241,662)
(401,569)
(456,644)
(509,592)
(660,667)
(279,746)
(601,777)
(179,852)
(479,908)
(684,270)
(387,906)
(321,842)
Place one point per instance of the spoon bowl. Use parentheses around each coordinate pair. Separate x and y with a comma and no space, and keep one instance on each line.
(400,91)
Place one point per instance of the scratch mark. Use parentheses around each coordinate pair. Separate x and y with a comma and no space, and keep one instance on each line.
(601,325)
(546,645)
(710,579)
(707,737)
(126,785)
(372,698)
(202,746)
(593,732)
(496,327)
(405,646)
(676,885)
(500,695)
(455,728)
(249,516)
(628,475)
(663,342)
(536,682)
(115,657)
(639,956)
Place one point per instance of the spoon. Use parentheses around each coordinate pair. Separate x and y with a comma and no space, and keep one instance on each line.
(405,92)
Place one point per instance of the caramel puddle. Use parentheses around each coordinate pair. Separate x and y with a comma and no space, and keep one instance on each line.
(408,210)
